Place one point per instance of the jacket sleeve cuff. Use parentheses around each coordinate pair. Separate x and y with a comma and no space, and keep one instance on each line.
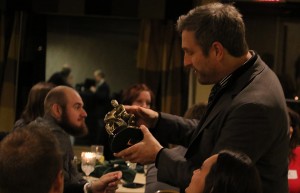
(157,156)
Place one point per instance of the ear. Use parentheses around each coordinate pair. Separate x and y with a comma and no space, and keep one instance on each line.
(218,50)
(56,111)
(58,184)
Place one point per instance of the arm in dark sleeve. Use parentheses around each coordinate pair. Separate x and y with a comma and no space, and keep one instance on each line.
(174,129)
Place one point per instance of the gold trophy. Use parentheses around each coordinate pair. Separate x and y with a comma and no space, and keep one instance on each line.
(121,128)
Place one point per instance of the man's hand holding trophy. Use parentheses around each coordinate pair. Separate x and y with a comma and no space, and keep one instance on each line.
(121,127)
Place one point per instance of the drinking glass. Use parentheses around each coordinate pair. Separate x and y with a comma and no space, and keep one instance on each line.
(88,162)
(98,150)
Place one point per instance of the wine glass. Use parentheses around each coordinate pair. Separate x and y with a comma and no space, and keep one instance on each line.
(88,162)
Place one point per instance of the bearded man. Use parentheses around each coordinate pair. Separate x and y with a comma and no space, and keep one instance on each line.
(65,116)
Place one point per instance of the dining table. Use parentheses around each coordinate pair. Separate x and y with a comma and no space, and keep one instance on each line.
(140,178)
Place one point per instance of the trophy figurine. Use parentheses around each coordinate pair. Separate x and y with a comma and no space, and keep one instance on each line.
(121,127)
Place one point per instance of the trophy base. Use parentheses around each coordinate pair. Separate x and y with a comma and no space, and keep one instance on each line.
(125,138)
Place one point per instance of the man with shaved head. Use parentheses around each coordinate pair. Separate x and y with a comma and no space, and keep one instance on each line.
(65,115)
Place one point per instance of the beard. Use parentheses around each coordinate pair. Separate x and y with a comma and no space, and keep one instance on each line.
(70,128)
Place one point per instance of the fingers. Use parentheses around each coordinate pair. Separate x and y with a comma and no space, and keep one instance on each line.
(122,154)
(145,130)
(131,153)
(116,175)
(108,181)
(111,177)
(130,109)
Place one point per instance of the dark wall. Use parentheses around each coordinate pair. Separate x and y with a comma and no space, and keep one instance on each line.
(32,58)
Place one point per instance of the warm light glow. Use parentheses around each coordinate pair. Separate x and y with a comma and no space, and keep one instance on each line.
(88,155)
(296,98)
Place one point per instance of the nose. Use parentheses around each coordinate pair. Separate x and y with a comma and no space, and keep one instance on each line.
(187,61)
(83,113)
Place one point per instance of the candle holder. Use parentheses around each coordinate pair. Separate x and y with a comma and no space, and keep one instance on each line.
(121,127)
(88,162)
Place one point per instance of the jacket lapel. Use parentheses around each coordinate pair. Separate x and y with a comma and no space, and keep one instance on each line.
(235,87)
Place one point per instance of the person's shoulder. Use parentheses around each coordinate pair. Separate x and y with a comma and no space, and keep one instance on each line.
(19,124)
(49,123)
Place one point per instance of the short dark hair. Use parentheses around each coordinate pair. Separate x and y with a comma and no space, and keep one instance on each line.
(216,22)
(30,160)
(233,172)
(55,96)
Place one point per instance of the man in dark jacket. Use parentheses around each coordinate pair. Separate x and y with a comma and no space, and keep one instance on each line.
(246,109)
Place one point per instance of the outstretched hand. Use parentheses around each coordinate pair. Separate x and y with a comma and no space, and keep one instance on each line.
(143,152)
(144,116)
(107,183)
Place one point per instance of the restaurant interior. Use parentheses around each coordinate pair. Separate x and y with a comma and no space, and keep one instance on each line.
(130,41)
(38,37)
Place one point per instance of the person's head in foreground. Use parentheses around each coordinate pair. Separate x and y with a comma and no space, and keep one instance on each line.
(226,172)
(31,162)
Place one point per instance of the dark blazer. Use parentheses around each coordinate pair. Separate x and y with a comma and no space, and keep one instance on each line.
(249,116)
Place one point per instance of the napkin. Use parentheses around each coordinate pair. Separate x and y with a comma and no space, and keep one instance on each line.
(115,165)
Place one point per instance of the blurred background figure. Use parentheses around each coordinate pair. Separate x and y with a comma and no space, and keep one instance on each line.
(288,85)
(91,120)
(294,152)
(63,77)
(196,111)
(99,94)
(297,75)
(139,95)
(31,162)
(35,104)
(226,172)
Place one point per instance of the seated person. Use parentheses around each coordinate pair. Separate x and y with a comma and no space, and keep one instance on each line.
(64,116)
(35,104)
(294,152)
(226,172)
(31,162)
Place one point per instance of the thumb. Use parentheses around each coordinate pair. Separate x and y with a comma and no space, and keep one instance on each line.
(145,130)
(112,176)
